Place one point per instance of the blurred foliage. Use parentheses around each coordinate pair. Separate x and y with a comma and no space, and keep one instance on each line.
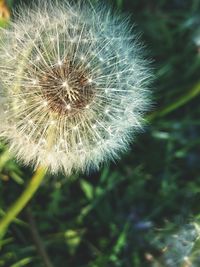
(137,211)
(4,13)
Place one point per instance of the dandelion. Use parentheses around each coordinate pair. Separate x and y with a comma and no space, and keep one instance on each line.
(180,247)
(73,85)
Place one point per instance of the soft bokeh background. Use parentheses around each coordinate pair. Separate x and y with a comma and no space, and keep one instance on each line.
(143,210)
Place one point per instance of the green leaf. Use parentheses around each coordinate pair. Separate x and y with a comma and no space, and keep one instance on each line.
(22,262)
(87,189)
(73,239)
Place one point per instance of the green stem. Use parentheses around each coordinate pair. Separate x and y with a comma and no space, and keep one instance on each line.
(21,202)
(37,239)
(178,103)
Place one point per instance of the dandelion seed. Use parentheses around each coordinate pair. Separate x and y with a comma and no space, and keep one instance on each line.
(179,247)
(74,85)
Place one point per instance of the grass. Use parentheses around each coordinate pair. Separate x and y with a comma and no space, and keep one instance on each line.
(144,209)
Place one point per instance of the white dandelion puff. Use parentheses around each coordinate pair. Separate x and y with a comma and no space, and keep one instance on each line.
(73,86)
(180,247)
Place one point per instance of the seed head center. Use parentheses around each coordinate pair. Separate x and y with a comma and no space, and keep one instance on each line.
(70,92)
(66,88)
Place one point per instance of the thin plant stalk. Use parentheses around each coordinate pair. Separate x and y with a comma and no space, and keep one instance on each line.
(30,190)
(195,91)
(22,201)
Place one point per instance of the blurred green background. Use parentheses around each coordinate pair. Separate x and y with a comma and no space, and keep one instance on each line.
(143,210)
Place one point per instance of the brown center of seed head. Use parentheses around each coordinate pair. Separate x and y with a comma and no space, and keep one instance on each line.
(66,88)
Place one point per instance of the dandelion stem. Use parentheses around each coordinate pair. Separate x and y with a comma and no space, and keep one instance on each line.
(21,202)
(178,103)
(37,239)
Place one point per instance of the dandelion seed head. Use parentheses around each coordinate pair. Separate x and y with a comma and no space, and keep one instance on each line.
(73,86)
(179,247)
